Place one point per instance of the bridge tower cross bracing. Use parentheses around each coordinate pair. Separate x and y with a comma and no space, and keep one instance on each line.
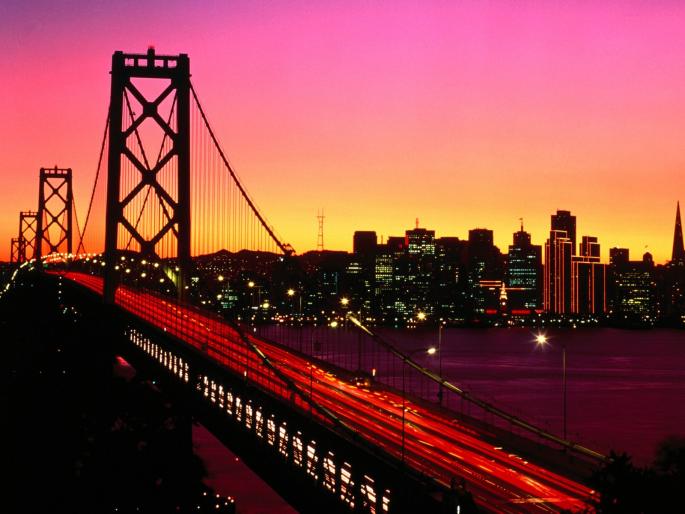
(28,229)
(175,70)
(15,250)
(55,210)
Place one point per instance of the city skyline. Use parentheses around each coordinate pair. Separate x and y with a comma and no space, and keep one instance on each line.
(394,256)
(381,113)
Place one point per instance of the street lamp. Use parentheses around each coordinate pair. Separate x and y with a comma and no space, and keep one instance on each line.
(440,327)
(429,351)
(541,340)
(291,292)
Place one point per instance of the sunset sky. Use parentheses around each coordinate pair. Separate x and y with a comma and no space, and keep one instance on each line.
(463,114)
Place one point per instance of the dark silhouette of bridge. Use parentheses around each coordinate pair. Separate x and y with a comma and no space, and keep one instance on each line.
(331,438)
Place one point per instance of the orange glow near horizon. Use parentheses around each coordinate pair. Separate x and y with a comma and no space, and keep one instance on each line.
(464,116)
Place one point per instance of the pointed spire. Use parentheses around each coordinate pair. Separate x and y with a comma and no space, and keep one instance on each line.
(678,254)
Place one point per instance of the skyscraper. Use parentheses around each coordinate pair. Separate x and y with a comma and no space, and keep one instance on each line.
(588,276)
(524,273)
(678,254)
(483,266)
(634,291)
(589,247)
(557,286)
(364,242)
(420,241)
(563,220)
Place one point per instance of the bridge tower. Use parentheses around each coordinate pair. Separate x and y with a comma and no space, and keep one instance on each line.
(125,148)
(55,208)
(15,249)
(28,229)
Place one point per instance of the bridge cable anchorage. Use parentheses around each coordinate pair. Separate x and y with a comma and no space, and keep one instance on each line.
(95,183)
(284,247)
(406,359)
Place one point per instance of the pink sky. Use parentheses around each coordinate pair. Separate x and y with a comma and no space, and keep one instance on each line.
(463,114)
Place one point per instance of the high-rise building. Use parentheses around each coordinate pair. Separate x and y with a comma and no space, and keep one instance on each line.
(589,248)
(557,283)
(563,220)
(420,241)
(678,254)
(383,280)
(364,242)
(618,256)
(588,276)
(480,240)
(634,291)
(524,274)
(672,281)
(415,271)
(449,280)
(484,262)
(362,270)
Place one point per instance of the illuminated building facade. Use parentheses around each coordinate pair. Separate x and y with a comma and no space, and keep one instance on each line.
(557,281)
(633,289)
(524,274)
(588,278)
(564,221)
(484,263)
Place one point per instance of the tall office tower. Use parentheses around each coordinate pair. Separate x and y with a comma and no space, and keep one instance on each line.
(672,295)
(524,273)
(563,220)
(588,277)
(557,284)
(416,270)
(449,282)
(420,241)
(361,269)
(480,239)
(618,256)
(589,248)
(634,291)
(364,242)
(678,254)
(484,264)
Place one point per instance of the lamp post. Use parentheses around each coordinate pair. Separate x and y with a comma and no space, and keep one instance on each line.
(291,292)
(440,327)
(541,340)
(430,351)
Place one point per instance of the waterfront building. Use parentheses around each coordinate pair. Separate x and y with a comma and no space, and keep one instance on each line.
(557,275)
(634,291)
(564,221)
(484,262)
(524,274)
(364,242)
(588,277)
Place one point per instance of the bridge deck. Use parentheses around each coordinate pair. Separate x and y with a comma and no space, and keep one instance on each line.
(435,444)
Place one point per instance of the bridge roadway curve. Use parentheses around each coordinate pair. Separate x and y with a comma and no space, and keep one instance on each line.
(436,445)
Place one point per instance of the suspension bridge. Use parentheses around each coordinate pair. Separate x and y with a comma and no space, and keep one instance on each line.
(346,438)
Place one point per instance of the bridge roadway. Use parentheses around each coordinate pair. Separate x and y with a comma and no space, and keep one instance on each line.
(436,445)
